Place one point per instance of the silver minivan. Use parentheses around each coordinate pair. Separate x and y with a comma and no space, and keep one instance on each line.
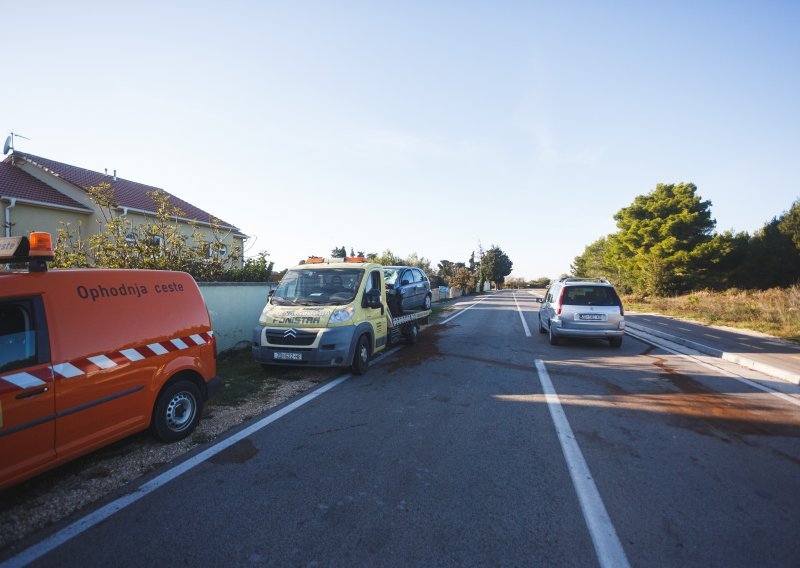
(582,307)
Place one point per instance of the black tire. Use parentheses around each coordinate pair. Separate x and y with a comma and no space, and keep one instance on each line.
(177,411)
(361,356)
(541,327)
(426,305)
(411,334)
(553,339)
(615,341)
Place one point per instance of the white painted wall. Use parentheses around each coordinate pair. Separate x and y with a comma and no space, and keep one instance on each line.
(234,308)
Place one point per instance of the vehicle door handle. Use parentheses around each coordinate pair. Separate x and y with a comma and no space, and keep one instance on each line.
(32,393)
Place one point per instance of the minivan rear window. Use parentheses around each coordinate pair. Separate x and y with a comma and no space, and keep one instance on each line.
(590,296)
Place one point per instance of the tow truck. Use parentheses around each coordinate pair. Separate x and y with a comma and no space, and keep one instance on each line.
(331,313)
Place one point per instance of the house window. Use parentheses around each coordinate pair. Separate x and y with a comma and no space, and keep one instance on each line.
(222,250)
(130,238)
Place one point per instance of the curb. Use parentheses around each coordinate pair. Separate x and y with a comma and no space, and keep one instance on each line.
(770,370)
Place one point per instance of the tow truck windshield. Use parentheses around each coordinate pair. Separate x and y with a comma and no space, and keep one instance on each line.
(314,286)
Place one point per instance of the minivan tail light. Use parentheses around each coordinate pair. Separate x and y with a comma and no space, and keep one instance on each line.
(558,303)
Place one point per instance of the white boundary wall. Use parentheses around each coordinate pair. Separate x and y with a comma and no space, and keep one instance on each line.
(234,308)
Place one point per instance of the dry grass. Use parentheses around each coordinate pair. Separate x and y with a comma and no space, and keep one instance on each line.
(775,311)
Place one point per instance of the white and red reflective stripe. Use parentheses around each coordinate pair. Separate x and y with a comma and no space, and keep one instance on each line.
(24,380)
(86,365)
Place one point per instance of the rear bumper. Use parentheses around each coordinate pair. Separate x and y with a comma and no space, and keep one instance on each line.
(587,332)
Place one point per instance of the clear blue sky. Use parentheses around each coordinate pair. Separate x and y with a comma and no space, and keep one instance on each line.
(417,126)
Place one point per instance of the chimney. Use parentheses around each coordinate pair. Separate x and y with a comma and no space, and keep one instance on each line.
(115,175)
(106,171)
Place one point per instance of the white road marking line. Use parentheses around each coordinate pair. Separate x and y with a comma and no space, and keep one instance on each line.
(755,385)
(604,537)
(81,525)
(522,317)
(461,311)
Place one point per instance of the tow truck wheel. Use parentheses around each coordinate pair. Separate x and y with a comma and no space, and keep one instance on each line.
(361,357)
(177,411)
(411,334)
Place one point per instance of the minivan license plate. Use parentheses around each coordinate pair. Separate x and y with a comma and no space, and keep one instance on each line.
(593,317)
(288,356)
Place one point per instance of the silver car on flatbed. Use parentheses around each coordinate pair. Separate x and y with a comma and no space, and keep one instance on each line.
(582,307)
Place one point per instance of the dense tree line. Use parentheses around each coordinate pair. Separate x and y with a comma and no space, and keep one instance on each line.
(665,243)
(492,265)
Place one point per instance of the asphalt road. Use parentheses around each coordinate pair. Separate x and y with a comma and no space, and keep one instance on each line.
(452,453)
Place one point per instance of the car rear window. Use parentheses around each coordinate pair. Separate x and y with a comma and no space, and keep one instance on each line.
(590,296)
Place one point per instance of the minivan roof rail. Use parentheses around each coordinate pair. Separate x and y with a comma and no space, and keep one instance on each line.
(570,279)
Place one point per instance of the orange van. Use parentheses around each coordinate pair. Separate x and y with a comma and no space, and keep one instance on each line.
(90,356)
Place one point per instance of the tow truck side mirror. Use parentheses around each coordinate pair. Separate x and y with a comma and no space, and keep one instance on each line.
(372,299)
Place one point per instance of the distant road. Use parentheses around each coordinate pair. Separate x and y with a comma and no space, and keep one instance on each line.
(483,445)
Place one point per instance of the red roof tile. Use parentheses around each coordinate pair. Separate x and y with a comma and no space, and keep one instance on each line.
(127,193)
(16,183)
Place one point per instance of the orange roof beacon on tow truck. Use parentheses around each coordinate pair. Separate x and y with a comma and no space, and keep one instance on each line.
(90,356)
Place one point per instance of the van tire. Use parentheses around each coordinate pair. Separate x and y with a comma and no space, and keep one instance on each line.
(177,411)
(361,356)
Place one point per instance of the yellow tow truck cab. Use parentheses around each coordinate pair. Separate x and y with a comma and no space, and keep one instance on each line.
(329,313)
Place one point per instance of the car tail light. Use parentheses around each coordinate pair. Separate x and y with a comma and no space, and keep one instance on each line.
(558,303)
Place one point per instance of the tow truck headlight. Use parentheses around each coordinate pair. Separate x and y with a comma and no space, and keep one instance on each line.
(263,320)
(343,314)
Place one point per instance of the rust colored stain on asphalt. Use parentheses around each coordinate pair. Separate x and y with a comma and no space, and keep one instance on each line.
(705,411)
(425,349)
(240,452)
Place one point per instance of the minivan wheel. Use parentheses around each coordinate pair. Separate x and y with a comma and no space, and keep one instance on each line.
(361,356)
(615,341)
(553,339)
(177,411)
(427,304)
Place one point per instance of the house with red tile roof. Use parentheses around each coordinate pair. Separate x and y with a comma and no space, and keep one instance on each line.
(39,194)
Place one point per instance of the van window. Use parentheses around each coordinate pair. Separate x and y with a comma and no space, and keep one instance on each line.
(590,296)
(17,335)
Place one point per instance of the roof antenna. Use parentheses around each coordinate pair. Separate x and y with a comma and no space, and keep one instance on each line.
(9,145)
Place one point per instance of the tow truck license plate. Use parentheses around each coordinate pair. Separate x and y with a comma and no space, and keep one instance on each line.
(594,317)
(290,356)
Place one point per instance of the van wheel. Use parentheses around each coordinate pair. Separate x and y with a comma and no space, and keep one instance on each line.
(553,339)
(411,334)
(361,357)
(427,304)
(615,341)
(177,411)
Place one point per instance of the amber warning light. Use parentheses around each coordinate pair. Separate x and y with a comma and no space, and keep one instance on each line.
(36,250)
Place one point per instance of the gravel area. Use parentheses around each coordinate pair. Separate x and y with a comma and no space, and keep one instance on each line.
(57,494)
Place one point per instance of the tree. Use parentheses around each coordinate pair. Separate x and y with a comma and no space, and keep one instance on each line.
(159,243)
(445,270)
(495,266)
(658,234)
(463,280)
